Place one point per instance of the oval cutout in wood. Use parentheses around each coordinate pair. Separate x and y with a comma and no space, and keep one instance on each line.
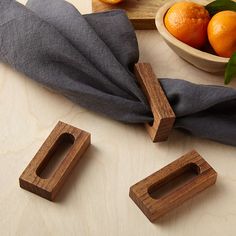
(174,181)
(56,155)
(76,143)
(191,167)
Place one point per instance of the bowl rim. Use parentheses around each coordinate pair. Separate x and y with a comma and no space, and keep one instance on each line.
(159,21)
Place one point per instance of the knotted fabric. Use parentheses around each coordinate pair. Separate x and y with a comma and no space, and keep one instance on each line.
(90,59)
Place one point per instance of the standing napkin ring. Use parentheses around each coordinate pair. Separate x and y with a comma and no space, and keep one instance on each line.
(172,185)
(164,116)
(48,187)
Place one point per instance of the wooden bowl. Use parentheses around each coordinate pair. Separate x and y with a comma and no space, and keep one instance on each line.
(202,60)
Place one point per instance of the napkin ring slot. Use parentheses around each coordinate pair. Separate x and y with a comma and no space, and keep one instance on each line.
(49,187)
(164,116)
(153,205)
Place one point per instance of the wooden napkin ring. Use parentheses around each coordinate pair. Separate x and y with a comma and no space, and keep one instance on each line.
(164,117)
(148,193)
(49,187)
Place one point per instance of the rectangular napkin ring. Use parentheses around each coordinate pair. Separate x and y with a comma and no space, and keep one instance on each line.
(164,116)
(145,193)
(49,187)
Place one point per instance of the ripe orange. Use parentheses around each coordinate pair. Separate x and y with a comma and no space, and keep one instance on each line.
(188,21)
(222,33)
(112,1)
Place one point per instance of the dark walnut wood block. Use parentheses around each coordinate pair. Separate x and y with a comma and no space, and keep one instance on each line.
(164,116)
(171,186)
(140,12)
(48,188)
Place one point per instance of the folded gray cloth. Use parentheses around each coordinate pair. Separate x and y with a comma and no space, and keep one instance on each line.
(90,58)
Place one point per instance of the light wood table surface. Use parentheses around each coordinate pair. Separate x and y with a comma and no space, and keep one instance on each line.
(95,199)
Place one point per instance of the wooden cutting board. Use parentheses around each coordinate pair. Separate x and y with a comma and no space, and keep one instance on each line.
(140,12)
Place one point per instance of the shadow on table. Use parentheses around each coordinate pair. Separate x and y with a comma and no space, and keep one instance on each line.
(181,213)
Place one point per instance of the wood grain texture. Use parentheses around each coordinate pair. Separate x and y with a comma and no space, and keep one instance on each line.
(164,116)
(155,208)
(140,12)
(48,188)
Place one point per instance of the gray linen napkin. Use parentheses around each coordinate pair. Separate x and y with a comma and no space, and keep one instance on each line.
(89,59)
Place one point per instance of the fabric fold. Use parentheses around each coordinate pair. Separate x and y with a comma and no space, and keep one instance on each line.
(66,19)
(89,59)
(33,46)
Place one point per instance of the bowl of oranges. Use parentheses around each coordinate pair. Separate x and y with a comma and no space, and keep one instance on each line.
(204,40)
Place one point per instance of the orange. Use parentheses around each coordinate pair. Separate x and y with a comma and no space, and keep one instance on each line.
(112,1)
(188,21)
(222,33)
